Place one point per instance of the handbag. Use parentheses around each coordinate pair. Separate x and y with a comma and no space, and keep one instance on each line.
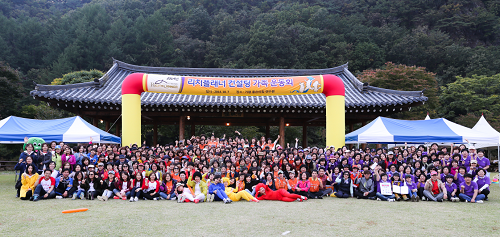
(18,184)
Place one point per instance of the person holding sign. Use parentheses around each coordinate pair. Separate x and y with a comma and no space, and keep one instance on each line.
(434,188)
(397,183)
(384,189)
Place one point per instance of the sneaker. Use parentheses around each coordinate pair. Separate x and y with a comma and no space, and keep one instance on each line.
(100,198)
(333,195)
(136,199)
(378,199)
(74,196)
(82,196)
(466,201)
(479,201)
(412,198)
(417,198)
(35,198)
(196,201)
(155,199)
(182,199)
(299,199)
(424,199)
(116,197)
(212,197)
(124,198)
(303,198)
(371,198)
(59,197)
(131,199)
(320,197)
(257,200)
(391,200)
(440,200)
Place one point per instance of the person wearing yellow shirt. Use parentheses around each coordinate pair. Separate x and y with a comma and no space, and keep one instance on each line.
(28,180)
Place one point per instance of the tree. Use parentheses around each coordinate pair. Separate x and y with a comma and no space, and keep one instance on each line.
(10,91)
(406,78)
(476,94)
(78,77)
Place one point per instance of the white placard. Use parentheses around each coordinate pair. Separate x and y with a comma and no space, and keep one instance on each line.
(164,83)
(396,189)
(385,189)
(404,189)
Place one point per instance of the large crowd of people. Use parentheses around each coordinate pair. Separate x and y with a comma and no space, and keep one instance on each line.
(207,169)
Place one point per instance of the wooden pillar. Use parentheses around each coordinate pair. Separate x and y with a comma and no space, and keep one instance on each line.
(304,136)
(181,127)
(107,125)
(155,134)
(117,131)
(95,122)
(282,131)
(267,131)
(193,130)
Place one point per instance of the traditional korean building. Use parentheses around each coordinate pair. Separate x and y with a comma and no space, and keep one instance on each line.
(101,100)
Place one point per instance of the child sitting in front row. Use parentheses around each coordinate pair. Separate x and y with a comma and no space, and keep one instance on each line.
(412,188)
(451,189)
(397,182)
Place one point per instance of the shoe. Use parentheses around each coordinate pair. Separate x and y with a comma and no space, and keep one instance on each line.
(35,198)
(31,198)
(82,196)
(303,198)
(196,201)
(378,199)
(466,201)
(74,196)
(182,199)
(136,199)
(371,198)
(479,201)
(320,197)
(333,195)
(131,199)
(59,197)
(417,198)
(155,199)
(100,198)
(424,199)
(454,199)
(391,200)
(116,197)
(124,198)
(412,198)
(486,199)
(209,197)
(440,200)
(257,200)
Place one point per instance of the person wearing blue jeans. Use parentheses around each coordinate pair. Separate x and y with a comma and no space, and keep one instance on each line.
(469,190)
(383,179)
(45,187)
(217,192)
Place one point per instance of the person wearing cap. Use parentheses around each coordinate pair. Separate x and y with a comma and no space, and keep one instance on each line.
(280,181)
(473,168)
(469,191)
(57,157)
(434,188)
(198,187)
(366,187)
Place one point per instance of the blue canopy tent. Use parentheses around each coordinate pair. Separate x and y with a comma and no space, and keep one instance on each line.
(74,129)
(386,130)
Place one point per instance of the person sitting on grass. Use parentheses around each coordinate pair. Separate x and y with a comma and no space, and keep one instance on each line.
(236,195)
(388,196)
(483,183)
(198,186)
(345,185)
(93,186)
(108,185)
(77,189)
(44,187)
(28,180)
(63,185)
(469,191)
(316,185)
(434,188)
(122,186)
(136,190)
(366,187)
(412,188)
(151,187)
(217,191)
(451,189)
(265,193)
(250,184)
(303,185)
(167,187)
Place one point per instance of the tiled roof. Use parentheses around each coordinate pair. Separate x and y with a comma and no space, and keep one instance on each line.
(108,89)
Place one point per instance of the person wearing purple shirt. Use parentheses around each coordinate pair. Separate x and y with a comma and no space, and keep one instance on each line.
(482,162)
(412,188)
(465,158)
(459,176)
(451,188)
(483,183)
(469,191)
(383,179)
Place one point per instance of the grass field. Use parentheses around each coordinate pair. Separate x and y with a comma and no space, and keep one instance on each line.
(327,217)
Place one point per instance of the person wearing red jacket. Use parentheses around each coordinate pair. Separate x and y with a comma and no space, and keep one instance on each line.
(123,187)
(265,193)
(151,187)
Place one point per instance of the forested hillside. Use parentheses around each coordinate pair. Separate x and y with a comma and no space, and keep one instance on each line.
(45,39)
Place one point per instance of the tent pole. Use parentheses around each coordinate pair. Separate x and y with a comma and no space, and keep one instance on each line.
(498,158)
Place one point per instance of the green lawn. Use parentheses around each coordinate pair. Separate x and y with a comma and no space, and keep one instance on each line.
(327,217)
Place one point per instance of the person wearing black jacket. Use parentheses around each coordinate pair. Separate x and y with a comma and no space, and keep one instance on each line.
(93,186)
(250,184)
(44,158)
